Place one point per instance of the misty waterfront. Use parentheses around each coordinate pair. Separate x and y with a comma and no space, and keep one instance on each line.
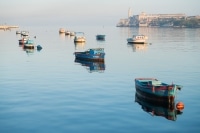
(47,91)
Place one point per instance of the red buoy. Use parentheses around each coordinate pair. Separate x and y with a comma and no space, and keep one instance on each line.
(180,106)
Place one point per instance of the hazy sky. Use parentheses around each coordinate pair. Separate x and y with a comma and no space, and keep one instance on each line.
(91,12)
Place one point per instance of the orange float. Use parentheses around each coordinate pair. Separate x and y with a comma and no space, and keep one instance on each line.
(180,106)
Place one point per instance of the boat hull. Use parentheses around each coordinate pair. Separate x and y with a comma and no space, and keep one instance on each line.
(79,40)
(140,39)
(155,98)
(100,37)
(131,40)
(87,57)
(61,30)
(152,88)
(23,41)
(96,54)
(28,46)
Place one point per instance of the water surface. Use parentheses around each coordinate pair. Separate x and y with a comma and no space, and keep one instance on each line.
(47,91)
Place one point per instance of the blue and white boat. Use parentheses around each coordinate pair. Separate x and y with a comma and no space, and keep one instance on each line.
(93,54)
(155,88)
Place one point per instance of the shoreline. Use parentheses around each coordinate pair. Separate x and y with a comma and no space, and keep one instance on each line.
(7,27)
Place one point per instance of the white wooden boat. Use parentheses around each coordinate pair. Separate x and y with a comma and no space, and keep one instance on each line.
(67,32)
(61,30)
(137,39)
(18,32)
(79,37)
(72,33)
(25,33)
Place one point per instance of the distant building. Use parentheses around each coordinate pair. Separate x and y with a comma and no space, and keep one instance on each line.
(144,20)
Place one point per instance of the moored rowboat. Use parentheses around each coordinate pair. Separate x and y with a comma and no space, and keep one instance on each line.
(155,88)
(139,39)
(94,54)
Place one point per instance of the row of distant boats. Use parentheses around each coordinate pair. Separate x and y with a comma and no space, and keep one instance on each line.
(26,42)
(79,36)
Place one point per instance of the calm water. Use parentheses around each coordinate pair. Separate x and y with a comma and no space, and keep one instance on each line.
(47,91)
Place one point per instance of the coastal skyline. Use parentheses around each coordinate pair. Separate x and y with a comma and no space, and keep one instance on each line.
(86,12)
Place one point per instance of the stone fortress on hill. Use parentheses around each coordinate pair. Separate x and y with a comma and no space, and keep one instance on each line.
(159,20)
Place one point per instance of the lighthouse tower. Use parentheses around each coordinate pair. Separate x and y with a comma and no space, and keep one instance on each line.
(129,12)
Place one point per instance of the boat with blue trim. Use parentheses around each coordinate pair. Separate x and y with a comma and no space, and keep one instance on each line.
(157,89)
(93,54)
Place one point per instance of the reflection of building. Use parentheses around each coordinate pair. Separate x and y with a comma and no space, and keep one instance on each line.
(144,20)
(156,108)
(92,66)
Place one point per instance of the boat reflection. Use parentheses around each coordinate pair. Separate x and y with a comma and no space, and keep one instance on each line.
(79,45)
(29,51)
(137,47)
(157,108)
(92,66)
(62,36)
(101,42)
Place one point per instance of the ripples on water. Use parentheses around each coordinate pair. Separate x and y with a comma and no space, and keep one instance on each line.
(48,91)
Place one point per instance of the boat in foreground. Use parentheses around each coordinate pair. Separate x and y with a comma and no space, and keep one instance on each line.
(157,89)
(141,39)
(93,54)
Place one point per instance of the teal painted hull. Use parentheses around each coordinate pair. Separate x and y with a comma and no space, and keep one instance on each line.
(156,88)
